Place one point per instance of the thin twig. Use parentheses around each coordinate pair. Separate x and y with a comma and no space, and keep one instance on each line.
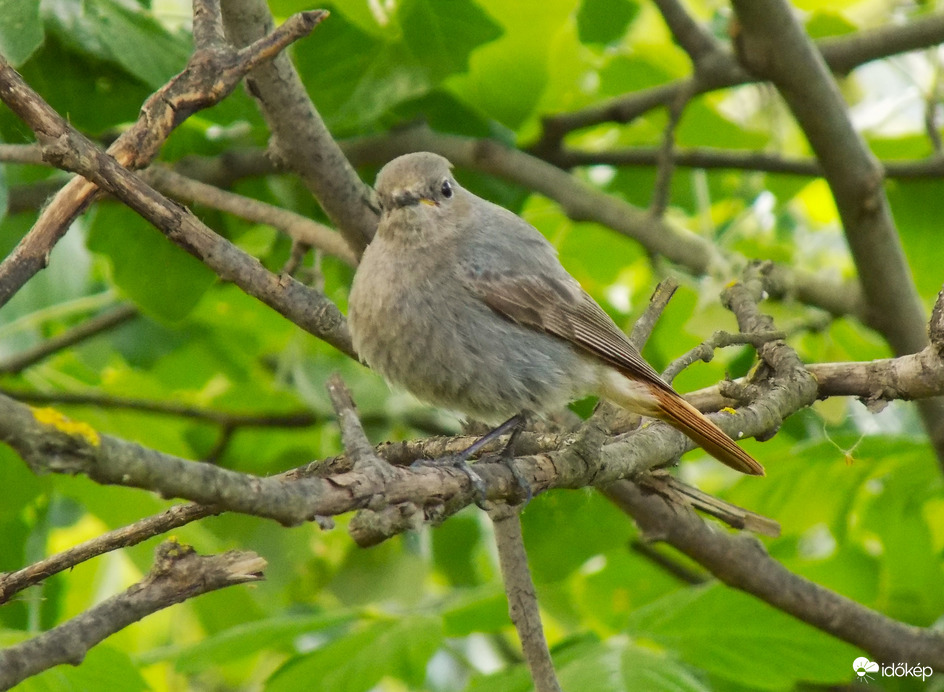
(842,54)
(705,351)
(292,419)
(355,440)
(658,301)
(92,327)
(522,596)
(132,534)
(672,566)
(299,228)
(662,188)
(683,495)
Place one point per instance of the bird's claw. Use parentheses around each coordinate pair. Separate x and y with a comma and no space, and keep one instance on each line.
(479,489)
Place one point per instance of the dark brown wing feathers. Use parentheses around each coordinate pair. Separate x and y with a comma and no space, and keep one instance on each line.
(562,308)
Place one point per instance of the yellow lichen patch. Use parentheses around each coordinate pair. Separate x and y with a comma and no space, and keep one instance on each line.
(54,419)
(728,409)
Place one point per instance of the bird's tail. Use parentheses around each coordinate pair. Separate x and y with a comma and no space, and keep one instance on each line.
(684,417)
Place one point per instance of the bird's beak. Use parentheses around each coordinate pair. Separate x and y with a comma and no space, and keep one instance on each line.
(428,202)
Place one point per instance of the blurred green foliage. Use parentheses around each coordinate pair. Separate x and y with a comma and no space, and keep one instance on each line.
(859,496)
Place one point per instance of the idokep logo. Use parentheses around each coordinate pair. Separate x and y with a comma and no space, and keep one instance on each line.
(862,667)
(865,669)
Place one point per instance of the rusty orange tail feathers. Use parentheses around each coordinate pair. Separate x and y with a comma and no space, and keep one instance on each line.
(685,418)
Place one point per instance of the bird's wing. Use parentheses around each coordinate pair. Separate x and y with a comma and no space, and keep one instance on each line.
(559,306)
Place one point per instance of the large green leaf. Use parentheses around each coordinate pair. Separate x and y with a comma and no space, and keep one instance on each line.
(357,661)
(94,95)
(917,204)
(156,274)
(620,665)
(737,637)
(382,70)
(481,610)
(617,665)
(563,529)
(251,638)
(103,668)
(442,35)
(21,32)
(118,32)
(605,21)
(507,77)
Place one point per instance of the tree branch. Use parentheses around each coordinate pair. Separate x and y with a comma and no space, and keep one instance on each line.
(69,149)
(522,597)
(740,561)
(300,138)
(842,55)
(178,574)
(107,320)
(299,228)
(581,202)
(212,72)
(772,45)
(168,520)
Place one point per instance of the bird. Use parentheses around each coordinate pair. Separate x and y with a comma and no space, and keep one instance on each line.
(467,306)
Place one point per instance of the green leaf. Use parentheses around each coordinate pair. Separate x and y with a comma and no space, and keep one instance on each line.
(156,274)
(604,21)
(20,485)
(93,95)
(739,638)
(507,77)
(619,665)
(113,31)
(357,661)
(482,610)
(253,637)
(103,668)
(825,23)
(581,520)
(457,549)
(376,74)
(442,35)
(21,32)
(917,204)
(910,576)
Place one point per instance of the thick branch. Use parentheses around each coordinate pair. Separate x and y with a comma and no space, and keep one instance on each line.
(739,560)
(178,574)
(300,138)
(773,45)
(306,307)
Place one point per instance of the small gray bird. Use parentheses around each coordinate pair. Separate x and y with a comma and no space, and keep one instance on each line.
(467,306)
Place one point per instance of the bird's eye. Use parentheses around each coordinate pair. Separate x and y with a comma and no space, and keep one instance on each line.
(446,189)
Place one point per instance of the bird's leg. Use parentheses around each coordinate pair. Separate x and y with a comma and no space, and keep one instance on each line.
(516,425)
(461,460)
